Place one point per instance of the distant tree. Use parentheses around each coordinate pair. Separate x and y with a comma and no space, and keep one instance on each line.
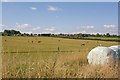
(114,35)
(35,34)
(15,32)
(2,34)
(97,35)
(118,36)
(48,35)
(104,35)
(31,34)
(39,34)
(11,32)
(80,34)
(107,34)
(27,34)
(83,35)
(22,34)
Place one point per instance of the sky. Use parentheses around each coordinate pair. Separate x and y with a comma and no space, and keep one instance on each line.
(60,17)
(59,0)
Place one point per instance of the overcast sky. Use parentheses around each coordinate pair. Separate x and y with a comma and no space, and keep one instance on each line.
(60,17)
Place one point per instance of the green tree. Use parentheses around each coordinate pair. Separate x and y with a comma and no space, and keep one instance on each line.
(11,32)
(107,34)
(97,35)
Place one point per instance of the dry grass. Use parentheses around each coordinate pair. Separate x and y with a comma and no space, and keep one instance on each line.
(90,71)
(69,62)
(56,66)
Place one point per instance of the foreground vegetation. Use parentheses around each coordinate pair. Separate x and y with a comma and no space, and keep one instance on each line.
(47,57)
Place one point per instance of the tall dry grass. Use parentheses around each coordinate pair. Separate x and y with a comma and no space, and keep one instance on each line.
(57,66)
(69,62)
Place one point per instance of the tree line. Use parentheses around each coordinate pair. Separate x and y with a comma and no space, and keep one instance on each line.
(72,36)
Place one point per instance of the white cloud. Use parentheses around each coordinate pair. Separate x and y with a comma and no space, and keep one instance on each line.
(53,8)
(1,25)
(4,1)
(78,32)
(51,29)
(5,27)
(29,32)
(85,27)
(22,26)
(88,27)
(83,32)
(33,8)
(109,26)
(74,32)
(36,28)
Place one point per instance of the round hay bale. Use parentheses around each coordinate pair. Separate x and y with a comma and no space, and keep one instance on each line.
(101,56)
(116,48)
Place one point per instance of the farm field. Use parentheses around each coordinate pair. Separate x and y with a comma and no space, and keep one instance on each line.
(103,38)
(47,57)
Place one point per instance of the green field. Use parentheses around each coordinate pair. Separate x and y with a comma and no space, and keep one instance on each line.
(116,39)
(45,57)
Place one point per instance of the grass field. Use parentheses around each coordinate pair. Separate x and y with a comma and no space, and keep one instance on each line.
(47,57)
(103,38)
